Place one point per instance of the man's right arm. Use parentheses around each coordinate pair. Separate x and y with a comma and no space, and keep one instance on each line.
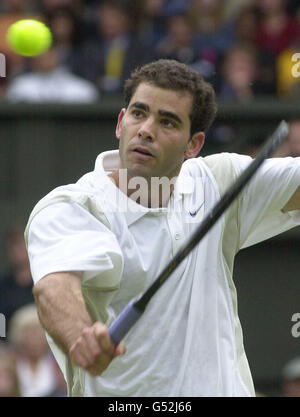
(63,314)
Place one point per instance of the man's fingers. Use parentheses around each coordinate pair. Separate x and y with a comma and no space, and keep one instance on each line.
(102,335)
(79,354)
(120,349)
(91,345)
(94,349)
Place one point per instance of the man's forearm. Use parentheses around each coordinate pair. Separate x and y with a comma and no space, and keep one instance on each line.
(61,307)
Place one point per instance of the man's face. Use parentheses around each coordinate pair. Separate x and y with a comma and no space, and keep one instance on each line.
(154,132)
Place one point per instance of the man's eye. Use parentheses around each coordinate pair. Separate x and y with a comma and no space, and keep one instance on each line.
(167,123)
(137,113)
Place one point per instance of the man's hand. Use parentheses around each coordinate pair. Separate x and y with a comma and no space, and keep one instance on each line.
(63,313)
(94,350)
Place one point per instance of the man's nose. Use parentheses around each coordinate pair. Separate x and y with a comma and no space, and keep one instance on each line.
(147,130)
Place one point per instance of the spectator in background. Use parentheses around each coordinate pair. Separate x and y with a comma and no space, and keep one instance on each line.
(237,82)
(109,59)
(214,35)
(50,82)
(35,366)
(16,285)
(152,25)
(9,381)
(239,73)
(213,31)
(246,26)
(179,42)
(277,30)
(67,31)
(290,381)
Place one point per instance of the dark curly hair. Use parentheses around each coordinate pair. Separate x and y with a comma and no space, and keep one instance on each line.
(173,75)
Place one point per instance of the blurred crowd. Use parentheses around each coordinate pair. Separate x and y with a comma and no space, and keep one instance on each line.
(243,47)
(27,366)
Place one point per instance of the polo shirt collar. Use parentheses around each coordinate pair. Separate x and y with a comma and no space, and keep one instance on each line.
(108,162)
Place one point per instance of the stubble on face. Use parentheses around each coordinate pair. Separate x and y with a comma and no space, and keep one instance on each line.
(156,121)
(162,127)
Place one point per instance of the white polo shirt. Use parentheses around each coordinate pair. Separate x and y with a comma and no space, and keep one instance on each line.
(189,340)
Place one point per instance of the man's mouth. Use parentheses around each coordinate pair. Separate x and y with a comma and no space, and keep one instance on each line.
(142,151)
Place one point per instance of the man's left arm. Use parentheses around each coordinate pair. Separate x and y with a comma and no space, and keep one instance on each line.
(270,203)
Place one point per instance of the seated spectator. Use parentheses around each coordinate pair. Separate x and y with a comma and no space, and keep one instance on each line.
(277,30)
(212,30)
(245,25)
(109,59)
(9,381)
(49,82)
(290,381)
(245,31)
(35,365)
(238,82)
(152,26)
(67,30)
(179,42)
(16,285)
(239,74)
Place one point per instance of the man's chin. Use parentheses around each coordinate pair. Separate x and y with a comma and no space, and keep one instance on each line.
(142,172)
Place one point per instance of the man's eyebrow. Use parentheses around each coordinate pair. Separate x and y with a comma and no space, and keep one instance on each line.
(165,113)
(170,115)
(140,105)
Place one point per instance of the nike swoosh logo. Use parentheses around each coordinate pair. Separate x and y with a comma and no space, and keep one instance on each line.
(193,213)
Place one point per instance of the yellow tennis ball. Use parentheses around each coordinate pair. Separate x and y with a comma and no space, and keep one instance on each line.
(29,37)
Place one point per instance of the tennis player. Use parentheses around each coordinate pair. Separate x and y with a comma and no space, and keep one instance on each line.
(96,244)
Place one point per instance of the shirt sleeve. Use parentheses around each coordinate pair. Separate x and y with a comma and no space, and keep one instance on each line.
(66,237)
(261,202)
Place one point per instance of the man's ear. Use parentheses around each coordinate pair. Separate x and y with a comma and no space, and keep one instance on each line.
(118,128)
(194,145)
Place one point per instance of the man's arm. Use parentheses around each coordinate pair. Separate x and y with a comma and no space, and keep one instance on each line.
(63,314)
(293,203)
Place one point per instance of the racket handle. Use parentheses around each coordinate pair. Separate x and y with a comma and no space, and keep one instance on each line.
(124,322)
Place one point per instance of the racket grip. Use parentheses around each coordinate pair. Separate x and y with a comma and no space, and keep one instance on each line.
(124,322)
